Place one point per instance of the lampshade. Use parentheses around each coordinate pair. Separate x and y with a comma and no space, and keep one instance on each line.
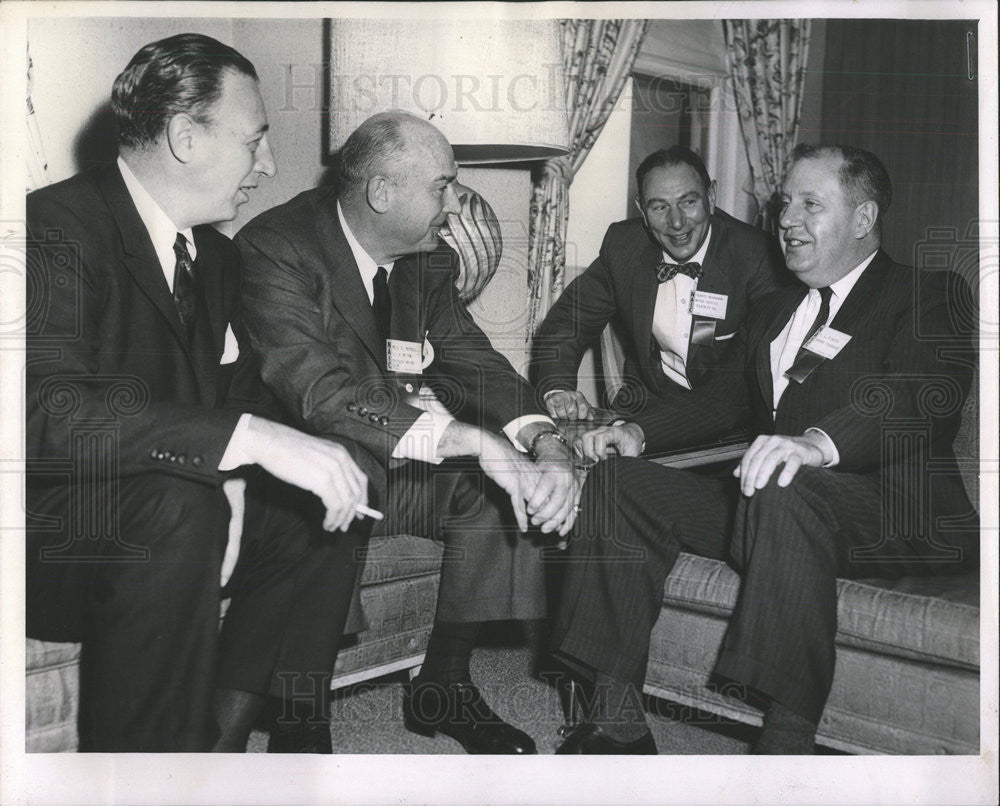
(495,89)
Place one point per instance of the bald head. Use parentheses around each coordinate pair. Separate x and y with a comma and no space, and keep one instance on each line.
(386,144)
(397,185)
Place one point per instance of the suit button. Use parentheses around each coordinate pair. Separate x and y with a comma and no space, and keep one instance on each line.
(373,418)
(409,388)
(173,458)
(160,456)
(197,461)
(383,421)
(352,406)
(362,412)
(181,459)
(152,453)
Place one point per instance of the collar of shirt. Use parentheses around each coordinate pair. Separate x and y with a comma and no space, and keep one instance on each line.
(843,286)
(366,264)
(698,257)
(162,231)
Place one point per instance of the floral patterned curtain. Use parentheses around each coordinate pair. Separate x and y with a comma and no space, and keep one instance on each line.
(38,167)
(767,64)
(597,58)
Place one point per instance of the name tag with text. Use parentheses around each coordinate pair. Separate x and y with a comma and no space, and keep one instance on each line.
(705,303)
(403,356)
(827,342)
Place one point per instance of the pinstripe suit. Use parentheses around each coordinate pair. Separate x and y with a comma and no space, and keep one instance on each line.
(894,505)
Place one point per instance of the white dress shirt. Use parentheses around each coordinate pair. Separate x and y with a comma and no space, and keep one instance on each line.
(786,345)
(672,317)
(421,440)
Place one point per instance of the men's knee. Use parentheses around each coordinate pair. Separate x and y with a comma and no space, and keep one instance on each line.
(160,507)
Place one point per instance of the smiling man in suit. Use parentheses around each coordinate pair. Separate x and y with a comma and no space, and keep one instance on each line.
(142,396)
(677,282)
(857,377)
(351,301)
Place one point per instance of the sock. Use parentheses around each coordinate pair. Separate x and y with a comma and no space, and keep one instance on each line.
(448,652)
(786,733)
(235,714)
(618,709)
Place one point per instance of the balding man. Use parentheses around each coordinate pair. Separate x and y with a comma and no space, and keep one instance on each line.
(351,301)
(857,377)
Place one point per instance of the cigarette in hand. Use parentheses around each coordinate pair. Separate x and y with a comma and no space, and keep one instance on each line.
(371,513)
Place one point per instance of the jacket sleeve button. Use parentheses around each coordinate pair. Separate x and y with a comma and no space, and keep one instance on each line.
(383,421)
(362,412)
(153,453)
(197,461)
(352,406)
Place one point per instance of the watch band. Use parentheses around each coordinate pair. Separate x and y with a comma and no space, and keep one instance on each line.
(551,433)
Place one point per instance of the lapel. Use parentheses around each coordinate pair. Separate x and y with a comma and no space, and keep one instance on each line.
(863,297)
(139,256)
(208,264)
(406,292)
(347,291)
(644,288)
(714,280)
(786,301)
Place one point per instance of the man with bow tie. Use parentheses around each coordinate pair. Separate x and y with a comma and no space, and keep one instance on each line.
(856,376)
(677,282)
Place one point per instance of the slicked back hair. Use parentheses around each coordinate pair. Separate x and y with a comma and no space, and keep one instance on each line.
(182,73)
(665,157)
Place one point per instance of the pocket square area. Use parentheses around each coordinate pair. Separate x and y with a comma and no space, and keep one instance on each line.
(231,350)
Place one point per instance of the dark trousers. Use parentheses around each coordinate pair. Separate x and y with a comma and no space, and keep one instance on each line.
(490,570)
(142,593)
(789,544)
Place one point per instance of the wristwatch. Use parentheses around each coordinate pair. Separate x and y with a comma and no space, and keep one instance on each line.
(550,433)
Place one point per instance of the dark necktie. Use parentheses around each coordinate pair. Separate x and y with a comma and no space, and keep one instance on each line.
(821,316)
(668,271)
(185,287)
(381,303)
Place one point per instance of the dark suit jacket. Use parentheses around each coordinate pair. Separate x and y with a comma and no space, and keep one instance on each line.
(105,343)
(892,399)
(310,318)
(620,287)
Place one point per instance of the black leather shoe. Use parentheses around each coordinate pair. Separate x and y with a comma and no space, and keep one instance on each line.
(589,740)
(300,737)
(459,711)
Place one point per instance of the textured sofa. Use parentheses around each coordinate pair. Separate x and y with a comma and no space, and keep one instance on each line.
(907,676)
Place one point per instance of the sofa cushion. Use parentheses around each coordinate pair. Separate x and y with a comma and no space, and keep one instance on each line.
(932,619)
(400,557)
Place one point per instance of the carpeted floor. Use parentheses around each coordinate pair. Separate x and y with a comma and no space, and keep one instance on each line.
(367,718)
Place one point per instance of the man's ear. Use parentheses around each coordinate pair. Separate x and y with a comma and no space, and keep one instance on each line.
(712,190)
(638,206)
(181,137)
(865,216)
(377,193)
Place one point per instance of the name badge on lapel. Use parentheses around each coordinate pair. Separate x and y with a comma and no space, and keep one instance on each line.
(403,356)
(824,345)
(706,304)
(827,342)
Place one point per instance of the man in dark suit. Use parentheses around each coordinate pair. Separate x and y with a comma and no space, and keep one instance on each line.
(677,283)
(857,377)
(351,302)
(142,396)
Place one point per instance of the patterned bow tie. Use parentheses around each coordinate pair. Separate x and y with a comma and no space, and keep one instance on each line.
(667,271)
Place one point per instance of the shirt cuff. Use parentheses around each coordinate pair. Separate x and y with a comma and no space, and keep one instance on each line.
(513,428)
(831,448)
(551,392)
(236,451)
(421,441)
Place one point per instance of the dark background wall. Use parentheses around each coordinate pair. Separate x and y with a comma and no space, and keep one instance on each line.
(902,89)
